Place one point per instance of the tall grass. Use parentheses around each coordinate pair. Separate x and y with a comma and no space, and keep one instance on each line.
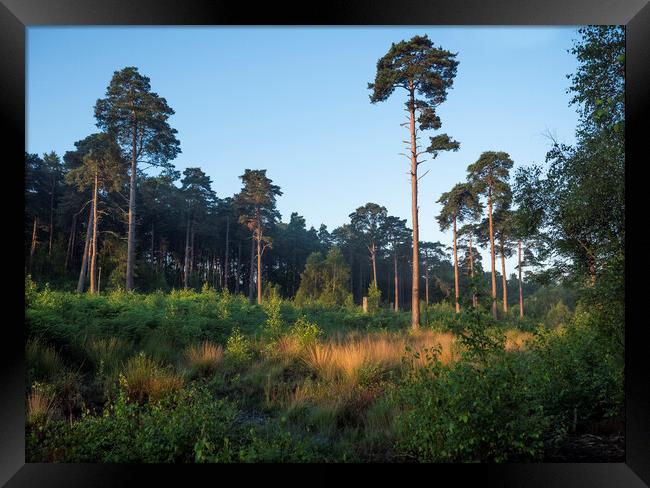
(372,354)
(42,360)
(144,379)
(40,404)
(204,358)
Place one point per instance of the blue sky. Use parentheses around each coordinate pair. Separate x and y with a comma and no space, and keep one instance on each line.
(295,102)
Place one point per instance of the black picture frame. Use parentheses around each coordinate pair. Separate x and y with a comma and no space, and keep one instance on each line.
(16,15)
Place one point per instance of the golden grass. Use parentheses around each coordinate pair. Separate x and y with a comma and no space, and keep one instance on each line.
(145,380)
(40,405)
(204,358)
(355,357)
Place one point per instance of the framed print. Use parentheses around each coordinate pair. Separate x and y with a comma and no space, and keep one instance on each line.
(345,233)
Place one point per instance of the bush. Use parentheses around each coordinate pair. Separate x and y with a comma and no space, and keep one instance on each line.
(577,376)
(305,332)
(374,298)
(171,430)
(465,413)
(238,349)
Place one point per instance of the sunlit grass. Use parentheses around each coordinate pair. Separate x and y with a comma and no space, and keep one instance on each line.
(204,358)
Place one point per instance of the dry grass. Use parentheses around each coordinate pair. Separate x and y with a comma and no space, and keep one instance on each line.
(204,358)
(40,405)
(144,379)
(287,348)
(357,357)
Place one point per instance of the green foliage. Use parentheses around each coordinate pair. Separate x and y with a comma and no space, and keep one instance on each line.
(238,349)
(307,333)
(325,280)
(576,374)
(274,325)
(161,432)
(466,413)
(558,314)
(374,298)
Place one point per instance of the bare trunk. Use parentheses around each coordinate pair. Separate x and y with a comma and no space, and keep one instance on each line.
(84,261)
(49,249)
(503,279)
(93,246)
(456,268)
(186,264)
(426,285)
(396,282)
(373,256)
(521,291)
(32,250)
(251,282)
(494,276)
(69,255)
(259,267)
(130,253)
(192,247)
(225,259)
(471,269)
(415,292)
(99,280)
(238,268)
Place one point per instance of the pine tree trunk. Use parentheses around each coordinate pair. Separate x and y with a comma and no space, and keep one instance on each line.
(373,255)
(49,249)
(225,259)
(186,264)
(130,253)
(192,247)
(238,268)
(492,259)
(251,281)
(32,250)
(521,290)
(396,282)
(84,261)
(426,285)
(259,267)
(415,292)
(471,270)
(93,246)
(456,269)
(69,255)
(503,278)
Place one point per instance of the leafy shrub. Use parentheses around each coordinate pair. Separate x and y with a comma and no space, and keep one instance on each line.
(274,324)
(165,431)
(374,298)
(238,349)
(558,314)
(577,376)
(306,333)
(465,413)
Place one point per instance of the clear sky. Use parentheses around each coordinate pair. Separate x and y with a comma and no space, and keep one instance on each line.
(295,102)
